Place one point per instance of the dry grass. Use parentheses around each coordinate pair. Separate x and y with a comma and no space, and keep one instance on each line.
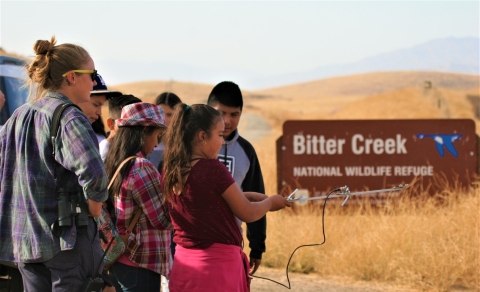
(413,242)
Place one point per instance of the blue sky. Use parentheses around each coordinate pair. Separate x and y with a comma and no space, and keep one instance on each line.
(266,37)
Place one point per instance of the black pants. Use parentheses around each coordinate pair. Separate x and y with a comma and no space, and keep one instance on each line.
(68,270)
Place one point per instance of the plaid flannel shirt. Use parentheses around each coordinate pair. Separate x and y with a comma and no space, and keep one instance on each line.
(28,203)
(149,244)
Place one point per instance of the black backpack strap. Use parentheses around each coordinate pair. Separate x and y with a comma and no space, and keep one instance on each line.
(57,114)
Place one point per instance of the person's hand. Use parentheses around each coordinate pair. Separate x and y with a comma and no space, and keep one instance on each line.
(278,203)
(254,264)
(2,99)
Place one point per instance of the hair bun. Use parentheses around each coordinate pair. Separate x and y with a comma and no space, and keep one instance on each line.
(44,47)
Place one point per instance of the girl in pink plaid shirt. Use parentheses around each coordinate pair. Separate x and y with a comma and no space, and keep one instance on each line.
(147,255)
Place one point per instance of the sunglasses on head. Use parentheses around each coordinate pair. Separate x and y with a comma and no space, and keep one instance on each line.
(93,73)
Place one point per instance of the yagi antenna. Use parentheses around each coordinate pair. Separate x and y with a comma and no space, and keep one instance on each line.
(343,192)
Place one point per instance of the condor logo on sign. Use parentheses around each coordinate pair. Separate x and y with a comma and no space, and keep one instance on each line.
(374,154)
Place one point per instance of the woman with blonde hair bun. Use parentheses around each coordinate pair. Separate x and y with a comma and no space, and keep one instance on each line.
(55,251)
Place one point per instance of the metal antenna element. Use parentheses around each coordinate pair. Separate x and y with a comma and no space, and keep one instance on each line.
(345,192)
(290,196)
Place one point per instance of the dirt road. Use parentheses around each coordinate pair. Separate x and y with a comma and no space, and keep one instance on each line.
(314,283)
(253,127)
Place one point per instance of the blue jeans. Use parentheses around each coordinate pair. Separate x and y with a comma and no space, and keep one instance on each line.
(134,279)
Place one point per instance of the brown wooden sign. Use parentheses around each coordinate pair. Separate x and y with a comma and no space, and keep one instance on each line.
(373,154)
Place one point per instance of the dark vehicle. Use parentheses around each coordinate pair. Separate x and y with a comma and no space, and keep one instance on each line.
(12,77)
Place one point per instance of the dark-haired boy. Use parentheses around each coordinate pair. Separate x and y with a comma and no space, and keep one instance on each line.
(240,158)
(115,106)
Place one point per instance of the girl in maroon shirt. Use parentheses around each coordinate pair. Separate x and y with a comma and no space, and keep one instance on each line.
(203,201)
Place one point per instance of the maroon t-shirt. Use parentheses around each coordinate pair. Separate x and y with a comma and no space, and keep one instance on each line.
(200,215)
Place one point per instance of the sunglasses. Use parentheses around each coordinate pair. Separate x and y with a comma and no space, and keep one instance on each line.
(93,73)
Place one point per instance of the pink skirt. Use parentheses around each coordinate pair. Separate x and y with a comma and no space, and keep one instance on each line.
(220,267)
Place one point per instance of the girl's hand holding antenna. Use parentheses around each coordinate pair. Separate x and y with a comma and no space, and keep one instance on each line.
(278,203)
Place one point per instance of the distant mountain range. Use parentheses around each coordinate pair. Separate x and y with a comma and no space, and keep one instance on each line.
(457,55)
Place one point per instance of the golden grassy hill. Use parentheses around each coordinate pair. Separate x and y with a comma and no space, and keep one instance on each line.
(377,95)
(373,83)
(408,103)
(148,90)
(352,86)
(411,103)
(369,96)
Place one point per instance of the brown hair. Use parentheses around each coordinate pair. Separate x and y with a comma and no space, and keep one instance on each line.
(168,98)
(127,142)
(51,62)
(187,121)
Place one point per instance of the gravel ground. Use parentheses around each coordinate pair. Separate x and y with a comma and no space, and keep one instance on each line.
(313,283)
